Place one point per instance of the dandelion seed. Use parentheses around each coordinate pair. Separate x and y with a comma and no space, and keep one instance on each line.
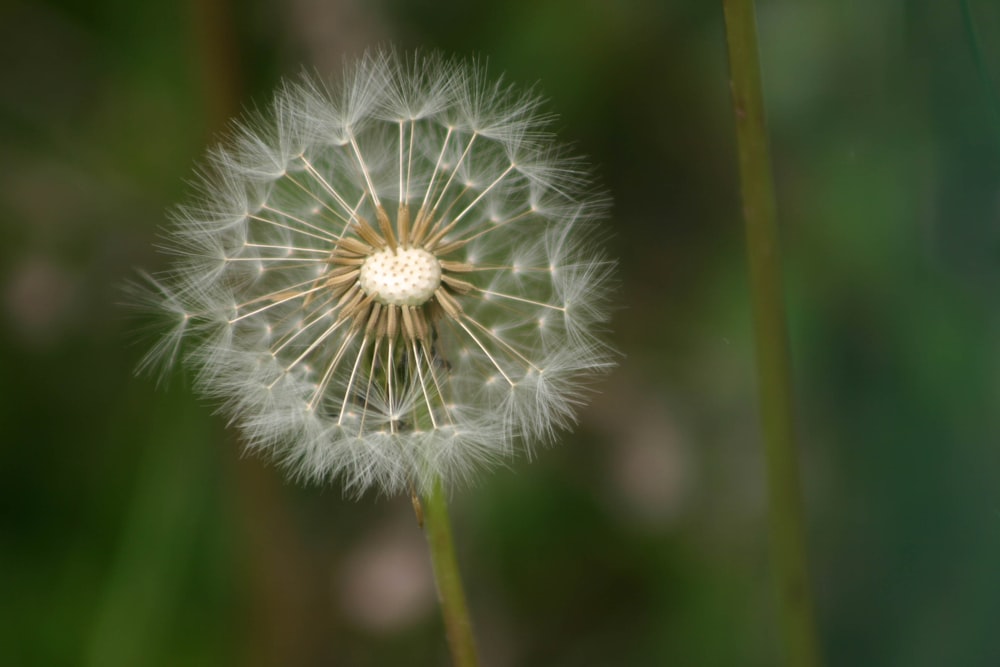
(391,280)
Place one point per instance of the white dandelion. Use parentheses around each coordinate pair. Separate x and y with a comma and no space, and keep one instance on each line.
(392,280)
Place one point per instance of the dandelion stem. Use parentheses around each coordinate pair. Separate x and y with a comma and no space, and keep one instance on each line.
(457,623)
(977,54)
(788,552)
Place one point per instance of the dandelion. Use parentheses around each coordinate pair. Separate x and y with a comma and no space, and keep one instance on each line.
(393,280)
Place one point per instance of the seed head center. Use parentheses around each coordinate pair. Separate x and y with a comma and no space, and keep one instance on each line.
(401,276)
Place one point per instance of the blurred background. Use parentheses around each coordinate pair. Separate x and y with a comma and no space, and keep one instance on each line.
(133,532)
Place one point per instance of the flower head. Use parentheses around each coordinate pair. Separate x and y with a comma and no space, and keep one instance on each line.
(392,279)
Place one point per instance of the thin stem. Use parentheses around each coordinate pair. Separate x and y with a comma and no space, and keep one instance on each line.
(787,535)
(977,55)
(457,624)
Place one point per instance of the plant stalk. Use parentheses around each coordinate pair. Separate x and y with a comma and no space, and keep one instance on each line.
(457,623)
(787,534)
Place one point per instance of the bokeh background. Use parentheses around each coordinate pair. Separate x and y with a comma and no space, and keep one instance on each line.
(132,531)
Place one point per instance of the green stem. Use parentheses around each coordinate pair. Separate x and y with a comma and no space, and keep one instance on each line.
(457,624)
(787,539)
(977,55)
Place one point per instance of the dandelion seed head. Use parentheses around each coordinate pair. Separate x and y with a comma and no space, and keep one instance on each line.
(400,276)
(390,279)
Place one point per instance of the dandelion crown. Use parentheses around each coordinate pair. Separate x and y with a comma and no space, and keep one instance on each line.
(392,279)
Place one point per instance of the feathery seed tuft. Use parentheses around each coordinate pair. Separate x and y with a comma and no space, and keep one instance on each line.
(392,279)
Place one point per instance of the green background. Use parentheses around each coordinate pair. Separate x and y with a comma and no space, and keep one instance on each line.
(132,532)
